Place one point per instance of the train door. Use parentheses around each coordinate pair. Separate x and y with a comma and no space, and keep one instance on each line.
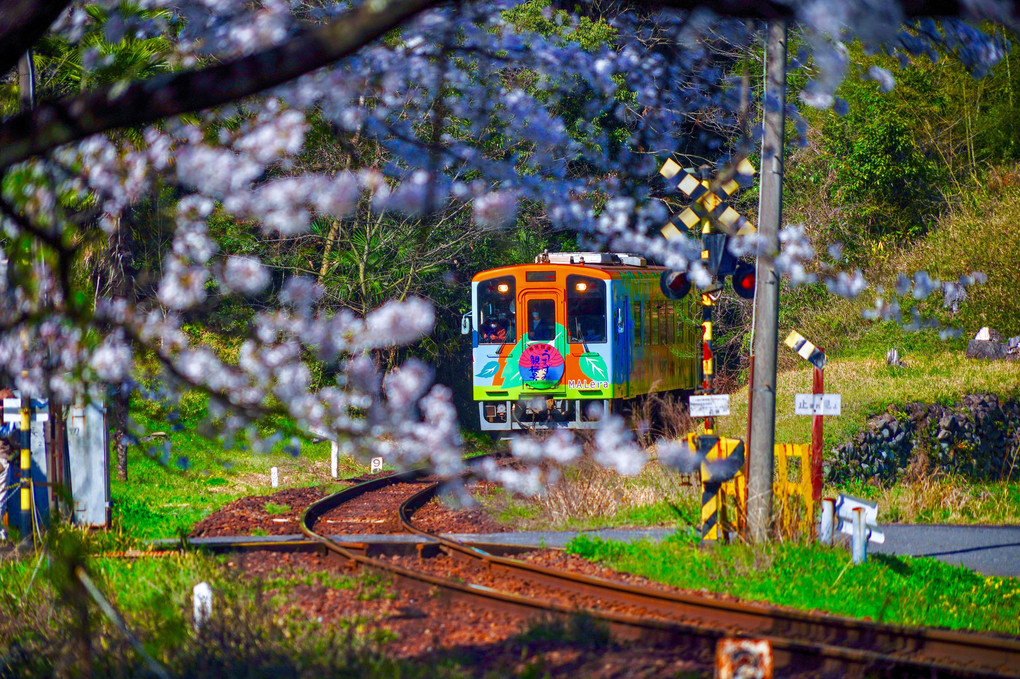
(622,346)
(542,360)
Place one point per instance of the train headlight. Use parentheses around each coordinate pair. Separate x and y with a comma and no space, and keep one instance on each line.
(503,288)
(581,287)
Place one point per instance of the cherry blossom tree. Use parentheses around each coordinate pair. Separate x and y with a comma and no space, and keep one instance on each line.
(472,107)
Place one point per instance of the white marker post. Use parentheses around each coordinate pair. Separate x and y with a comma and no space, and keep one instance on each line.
(334,458)
(274,477)
(828,520)
(202,594)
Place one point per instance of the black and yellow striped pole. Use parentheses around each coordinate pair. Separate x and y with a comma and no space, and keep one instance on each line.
(707,358)
(721,460)
(25,519)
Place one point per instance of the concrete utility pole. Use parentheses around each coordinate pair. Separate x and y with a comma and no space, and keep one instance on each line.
(26,82)
(766,296)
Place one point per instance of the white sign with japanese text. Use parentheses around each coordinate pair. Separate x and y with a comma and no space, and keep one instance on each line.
(817,404)
(710,405)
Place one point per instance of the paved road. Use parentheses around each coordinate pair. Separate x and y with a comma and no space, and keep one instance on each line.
(989,550)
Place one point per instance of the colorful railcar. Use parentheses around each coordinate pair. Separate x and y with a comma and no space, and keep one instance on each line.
(576,330)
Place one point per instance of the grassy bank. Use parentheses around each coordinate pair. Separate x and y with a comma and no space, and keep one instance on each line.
(868,387)
(589,496)
(255,629)
(900,590)
(162,499)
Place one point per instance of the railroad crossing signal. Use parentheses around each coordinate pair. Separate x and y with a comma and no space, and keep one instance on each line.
(708,205)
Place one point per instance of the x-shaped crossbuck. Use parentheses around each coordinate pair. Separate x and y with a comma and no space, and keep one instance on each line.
(708,204)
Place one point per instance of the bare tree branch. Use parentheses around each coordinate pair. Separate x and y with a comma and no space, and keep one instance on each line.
(22,23)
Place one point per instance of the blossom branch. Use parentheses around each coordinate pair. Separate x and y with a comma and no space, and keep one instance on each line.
(52,125)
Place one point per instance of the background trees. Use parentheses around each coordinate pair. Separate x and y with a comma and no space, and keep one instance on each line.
(271,174)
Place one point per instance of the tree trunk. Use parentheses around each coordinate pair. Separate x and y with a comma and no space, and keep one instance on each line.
(334,230)
(117,270)
(118,410)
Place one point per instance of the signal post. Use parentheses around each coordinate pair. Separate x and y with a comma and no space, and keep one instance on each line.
(721,458)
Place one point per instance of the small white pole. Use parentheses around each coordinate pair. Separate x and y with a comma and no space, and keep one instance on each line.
(274,477)
(334,457)
(828,514)
(860,538)
(202,603)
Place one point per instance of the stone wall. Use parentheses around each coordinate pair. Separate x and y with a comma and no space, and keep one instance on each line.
(976,438)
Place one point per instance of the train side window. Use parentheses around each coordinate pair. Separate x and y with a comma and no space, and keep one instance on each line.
(637,322)
(663,323)
(653,322)
(496,311)
(586,309)
(646,335)
(671,323)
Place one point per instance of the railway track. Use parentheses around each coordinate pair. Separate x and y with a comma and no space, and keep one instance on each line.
(811,644)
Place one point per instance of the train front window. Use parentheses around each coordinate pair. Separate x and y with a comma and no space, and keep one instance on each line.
(586,309)
(541,320)
(496,311)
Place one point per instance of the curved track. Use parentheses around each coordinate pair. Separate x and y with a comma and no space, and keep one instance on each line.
(809,643)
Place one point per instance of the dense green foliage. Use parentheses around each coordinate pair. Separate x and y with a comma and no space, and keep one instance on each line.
(890,589)
(881,174)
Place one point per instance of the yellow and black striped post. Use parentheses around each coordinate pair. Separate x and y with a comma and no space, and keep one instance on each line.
(730,452)
(707,357)
(806,350)
(25,520)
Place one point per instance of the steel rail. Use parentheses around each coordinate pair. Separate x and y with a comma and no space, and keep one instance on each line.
(695,637)
(878,646)
(353,554)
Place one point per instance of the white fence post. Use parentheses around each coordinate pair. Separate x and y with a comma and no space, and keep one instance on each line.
(202,603)
(828,519)
(860,537)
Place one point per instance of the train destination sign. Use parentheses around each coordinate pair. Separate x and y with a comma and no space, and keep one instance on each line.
(817,404)
(710,405)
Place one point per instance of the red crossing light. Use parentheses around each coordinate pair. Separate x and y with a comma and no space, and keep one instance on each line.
(743,280)
(674,284)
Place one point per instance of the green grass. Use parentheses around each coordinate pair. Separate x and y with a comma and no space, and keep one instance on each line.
(253,632)
(162,499)
(276,509)
(944,500)
(868,387)
(899,590)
